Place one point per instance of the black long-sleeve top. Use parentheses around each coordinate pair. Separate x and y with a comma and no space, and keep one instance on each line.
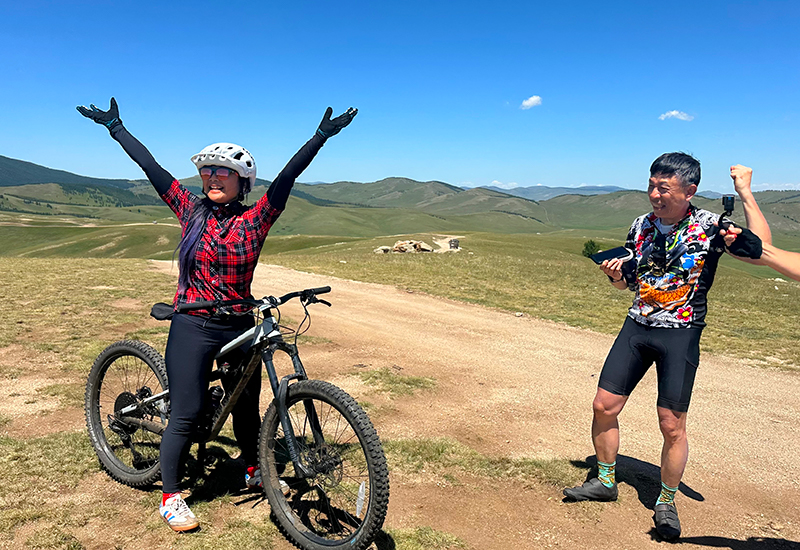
(233,234)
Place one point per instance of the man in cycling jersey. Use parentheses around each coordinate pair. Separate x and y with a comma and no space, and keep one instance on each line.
(675,260)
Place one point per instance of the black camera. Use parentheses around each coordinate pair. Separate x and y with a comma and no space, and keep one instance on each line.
(728,202)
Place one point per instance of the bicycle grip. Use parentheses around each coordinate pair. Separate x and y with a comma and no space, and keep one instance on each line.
(320,290)
(195,305)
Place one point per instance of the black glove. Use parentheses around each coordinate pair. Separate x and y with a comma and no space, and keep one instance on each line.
(746,245)
(328,127)
(110,119)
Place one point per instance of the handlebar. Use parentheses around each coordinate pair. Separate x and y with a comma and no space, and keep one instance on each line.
(304,295)
(269,301)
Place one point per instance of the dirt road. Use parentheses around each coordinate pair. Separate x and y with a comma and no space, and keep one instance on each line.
(518,387)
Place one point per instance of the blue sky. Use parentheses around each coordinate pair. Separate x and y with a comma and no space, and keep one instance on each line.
(439,86)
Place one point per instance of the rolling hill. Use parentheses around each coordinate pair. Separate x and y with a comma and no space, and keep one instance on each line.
(348,209)
(543,192)
(14,172)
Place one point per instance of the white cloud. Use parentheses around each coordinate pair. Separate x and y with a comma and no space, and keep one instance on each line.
(501,185)
(775,187)
(680,115)
(532,101)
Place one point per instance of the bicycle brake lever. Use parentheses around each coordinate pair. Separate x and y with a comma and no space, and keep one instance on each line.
(312,299)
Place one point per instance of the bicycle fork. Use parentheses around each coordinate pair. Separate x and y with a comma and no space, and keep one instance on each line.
(280,390)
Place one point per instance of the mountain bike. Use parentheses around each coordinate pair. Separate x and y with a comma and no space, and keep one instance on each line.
(323,467)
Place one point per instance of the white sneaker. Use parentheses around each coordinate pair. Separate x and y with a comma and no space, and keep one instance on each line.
(177,514)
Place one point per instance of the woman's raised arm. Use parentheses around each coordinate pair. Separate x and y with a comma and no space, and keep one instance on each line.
(278,192)
(160,178)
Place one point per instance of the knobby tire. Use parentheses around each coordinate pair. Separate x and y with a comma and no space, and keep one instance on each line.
(121,375)
(344,505)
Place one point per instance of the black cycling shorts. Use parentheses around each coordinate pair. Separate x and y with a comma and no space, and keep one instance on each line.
(675,351)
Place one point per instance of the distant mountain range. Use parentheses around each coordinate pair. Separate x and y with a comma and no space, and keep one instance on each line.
(542,192)
(14,172)
(395,205)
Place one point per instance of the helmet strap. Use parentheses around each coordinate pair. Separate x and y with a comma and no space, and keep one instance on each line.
(243,182)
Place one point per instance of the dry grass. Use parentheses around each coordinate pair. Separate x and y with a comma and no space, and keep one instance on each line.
(447,459)
(393,383)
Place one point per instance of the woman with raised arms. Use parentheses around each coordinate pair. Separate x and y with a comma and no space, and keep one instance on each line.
(221,240)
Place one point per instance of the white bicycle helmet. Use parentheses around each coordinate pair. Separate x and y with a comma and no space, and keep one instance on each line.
(231,156)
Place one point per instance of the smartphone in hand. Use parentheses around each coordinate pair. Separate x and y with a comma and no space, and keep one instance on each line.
(621,252)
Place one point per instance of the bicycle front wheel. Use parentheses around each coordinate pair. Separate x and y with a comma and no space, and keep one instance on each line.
(344,504)
(125,374)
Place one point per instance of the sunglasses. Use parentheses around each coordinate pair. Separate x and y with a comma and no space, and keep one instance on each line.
(208,171)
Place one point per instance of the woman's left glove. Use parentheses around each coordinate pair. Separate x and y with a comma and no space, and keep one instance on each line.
(110,119)
(328,127)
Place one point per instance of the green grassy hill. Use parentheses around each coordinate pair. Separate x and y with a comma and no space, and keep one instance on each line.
(105,212)
(434,198)
(388,192)
(79,194)
(15,172)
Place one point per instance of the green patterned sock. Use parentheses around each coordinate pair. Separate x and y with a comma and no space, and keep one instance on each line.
(667,495)
(605,473)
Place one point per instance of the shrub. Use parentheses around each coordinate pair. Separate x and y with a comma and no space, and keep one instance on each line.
(590,247)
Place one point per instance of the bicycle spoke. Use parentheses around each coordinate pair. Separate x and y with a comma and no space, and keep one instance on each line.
(123,380)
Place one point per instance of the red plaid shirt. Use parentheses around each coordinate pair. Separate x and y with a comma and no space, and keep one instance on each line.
(229,247)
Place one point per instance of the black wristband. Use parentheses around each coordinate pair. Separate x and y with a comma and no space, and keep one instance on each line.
(614,280)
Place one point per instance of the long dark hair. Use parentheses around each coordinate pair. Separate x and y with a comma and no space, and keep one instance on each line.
(190,239)
(195,225)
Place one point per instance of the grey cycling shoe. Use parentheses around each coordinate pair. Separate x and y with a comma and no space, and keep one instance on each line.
(592,490)
(667,523)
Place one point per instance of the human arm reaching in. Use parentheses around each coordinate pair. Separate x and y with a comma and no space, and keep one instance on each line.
(782,261)
(742,177)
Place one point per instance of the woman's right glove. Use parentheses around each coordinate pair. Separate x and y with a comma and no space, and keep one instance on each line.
(110,119)
(328,127)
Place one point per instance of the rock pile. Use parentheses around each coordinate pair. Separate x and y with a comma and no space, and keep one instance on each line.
(405,246)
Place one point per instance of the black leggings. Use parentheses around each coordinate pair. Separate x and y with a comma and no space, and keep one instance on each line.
(193,343)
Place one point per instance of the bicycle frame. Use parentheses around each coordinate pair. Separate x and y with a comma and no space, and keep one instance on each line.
(264,339)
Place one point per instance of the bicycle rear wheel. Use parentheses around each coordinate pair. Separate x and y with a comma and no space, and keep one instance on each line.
(344,504)
(124,374)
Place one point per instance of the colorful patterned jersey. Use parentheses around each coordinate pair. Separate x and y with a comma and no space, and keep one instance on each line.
(674,271)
